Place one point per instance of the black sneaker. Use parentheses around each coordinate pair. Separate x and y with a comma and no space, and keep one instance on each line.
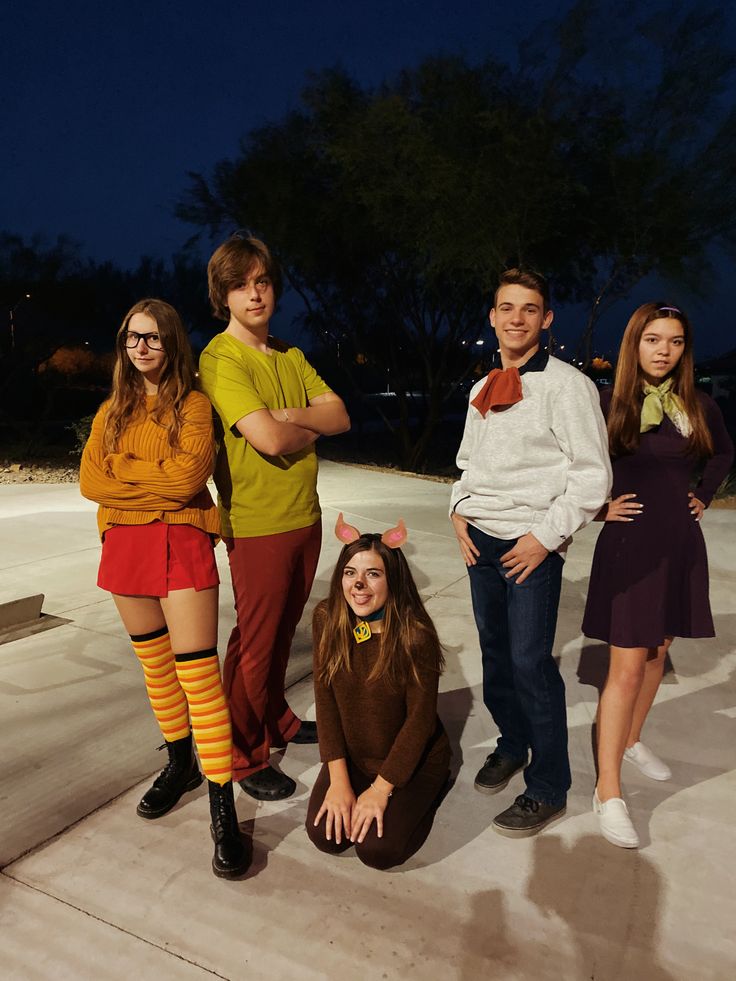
(526,817)
(496,773)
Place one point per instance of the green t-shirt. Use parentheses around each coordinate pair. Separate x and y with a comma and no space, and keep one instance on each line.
(258,494)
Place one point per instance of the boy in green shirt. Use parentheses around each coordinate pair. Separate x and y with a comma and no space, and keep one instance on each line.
(273,406)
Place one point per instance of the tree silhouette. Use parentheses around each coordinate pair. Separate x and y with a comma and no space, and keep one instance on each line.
(393,209)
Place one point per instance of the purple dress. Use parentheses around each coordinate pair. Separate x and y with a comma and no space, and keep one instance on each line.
(649,578)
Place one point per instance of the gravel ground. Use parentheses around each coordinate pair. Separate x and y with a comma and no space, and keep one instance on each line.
(49,472)
(38,473)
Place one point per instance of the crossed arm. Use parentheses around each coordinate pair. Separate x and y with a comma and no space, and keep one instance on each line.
(125,481)
(275,432)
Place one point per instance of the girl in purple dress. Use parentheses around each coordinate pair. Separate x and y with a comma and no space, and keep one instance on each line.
(649,580)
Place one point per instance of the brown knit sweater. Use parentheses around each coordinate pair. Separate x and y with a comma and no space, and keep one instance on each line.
(382,730)
(147,480)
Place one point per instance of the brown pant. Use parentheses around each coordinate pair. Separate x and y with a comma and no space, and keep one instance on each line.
(406,821)
(272,577)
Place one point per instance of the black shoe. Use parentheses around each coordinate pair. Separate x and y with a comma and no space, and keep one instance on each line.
(306,733)
(180,774)
(233,852)
(268,784)
(526,817)
(496,773)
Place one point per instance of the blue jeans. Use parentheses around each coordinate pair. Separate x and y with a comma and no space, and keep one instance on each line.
(522,686)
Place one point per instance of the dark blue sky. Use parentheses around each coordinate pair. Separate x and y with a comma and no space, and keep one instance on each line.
(109,105)
(106,107)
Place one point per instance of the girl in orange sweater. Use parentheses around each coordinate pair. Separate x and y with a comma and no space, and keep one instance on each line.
(146,463)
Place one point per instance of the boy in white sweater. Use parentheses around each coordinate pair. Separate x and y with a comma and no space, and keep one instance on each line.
(535,468)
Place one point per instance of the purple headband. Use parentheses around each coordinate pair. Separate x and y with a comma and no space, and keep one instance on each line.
(670,309)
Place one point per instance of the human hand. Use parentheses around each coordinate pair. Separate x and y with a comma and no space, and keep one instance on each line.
(623,508)
(468,551)
(696,506)
(369,807)
(524,557)
(280,415)
(338,805)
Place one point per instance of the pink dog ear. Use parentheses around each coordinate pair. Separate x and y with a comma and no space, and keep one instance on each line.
(395,537)
(346,533)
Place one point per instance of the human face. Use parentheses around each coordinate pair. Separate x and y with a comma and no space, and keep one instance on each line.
(661,346)
(150,363)
(364,584)
(519,319)
(252,302)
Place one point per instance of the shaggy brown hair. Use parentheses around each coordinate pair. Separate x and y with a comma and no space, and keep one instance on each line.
(127,400)
(407,627)
(231,265)
(624,417)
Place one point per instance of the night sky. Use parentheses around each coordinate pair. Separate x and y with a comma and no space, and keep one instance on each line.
(106,107)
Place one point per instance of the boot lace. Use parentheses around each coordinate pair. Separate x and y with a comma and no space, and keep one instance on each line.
(171,772)
(223,815)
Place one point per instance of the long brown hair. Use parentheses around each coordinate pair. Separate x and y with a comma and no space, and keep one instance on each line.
(407,632)
(624,417)
(127,400)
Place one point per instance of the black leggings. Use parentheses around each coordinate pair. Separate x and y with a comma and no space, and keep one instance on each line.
(406,821)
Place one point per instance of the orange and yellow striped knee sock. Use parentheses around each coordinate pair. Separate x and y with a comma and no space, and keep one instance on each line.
(165,694)
(199,676)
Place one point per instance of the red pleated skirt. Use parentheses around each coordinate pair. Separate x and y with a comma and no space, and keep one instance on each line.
(152,559)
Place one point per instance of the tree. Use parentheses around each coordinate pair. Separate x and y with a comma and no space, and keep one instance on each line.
(386,211)
(653,145)
(56,302)
(394,209)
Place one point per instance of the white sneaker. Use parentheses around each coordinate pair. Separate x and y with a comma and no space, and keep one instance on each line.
(648,762)
(615,822)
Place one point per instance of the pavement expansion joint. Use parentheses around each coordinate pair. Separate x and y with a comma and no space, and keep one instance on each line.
(114,926)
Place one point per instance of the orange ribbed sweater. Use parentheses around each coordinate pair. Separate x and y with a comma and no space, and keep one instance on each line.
(147,480)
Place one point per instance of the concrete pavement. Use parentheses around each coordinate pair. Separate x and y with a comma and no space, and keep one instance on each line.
(88,890)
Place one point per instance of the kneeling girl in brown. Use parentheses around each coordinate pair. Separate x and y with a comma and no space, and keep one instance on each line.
(146,464)
(377,662)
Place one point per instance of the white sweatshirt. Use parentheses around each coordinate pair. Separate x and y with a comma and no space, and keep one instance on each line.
(542,465)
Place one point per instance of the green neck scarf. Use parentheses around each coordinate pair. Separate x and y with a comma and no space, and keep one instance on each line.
(660,401)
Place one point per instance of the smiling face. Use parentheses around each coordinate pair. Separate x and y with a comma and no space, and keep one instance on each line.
(661,346)
(364,584)
(149,361)
(252,302)
(518,318)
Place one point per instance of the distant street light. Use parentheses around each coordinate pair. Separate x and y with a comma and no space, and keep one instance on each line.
(23,299)
(479,343)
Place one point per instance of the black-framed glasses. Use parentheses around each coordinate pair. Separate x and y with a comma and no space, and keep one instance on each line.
(153,341)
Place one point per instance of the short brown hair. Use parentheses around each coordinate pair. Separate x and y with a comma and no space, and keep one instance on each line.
(230,265)
(528,278)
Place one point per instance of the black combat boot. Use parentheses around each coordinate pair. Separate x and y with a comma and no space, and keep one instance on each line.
(180,774)
(233,852)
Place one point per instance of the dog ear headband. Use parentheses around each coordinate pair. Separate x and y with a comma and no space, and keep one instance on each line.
(393,538)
